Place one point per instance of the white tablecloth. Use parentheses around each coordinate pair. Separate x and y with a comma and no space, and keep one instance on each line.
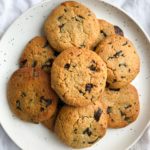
(11,9)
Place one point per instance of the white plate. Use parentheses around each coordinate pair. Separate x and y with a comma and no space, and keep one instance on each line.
(30,136)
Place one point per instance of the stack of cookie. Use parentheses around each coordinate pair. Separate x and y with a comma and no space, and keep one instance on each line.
(76,81)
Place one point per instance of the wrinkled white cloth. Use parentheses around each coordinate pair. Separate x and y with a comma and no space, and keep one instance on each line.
(11,9)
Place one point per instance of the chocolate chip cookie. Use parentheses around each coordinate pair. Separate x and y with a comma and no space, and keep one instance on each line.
(30,95)
(121,58)
(78,76)
(122,106)
(38,54)
(71,25)
(81,127)
(107,29)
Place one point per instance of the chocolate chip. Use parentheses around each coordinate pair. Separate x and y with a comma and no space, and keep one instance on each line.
(82,46)
(125,43)
(116,55)
(122,113)
(60,17)
(87,131)
(56,53)
(61,26)
(41,109)
(127,119)
(67,66)
(118,30)
(18,105)
(109,110)
(114,89)
(93,66)
(88,87)
(128,106)
(123,77)
(34,63)
(104,34)
(119,53)
(80,16)
(48,63)
(123,64)
(97,114)
(112,120)
(92,142)
(65,10)
(45,101)
(129,70)
(75,131)
(107,84)
(81,92)
(23,94)
(115,80)
(23,62)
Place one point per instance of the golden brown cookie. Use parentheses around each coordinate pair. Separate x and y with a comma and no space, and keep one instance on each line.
(30,95)
(107,29)
(122,106)
(38,53)
(81,127)
(71,24)
(78,76)
(121,58)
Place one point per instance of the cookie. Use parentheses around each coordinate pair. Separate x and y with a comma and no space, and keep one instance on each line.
(38,54)
(107,29)
(122,106)
(30,95)
(71,25)
(78,76)
(81,127)
(123,63)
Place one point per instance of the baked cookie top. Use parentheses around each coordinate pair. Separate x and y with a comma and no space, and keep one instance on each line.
(122,106)
(78,76)
(121,58)
(81,127)
(30,95)
(38,53)
(71,25)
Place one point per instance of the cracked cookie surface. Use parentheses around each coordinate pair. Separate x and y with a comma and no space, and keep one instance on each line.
(30,95)
(107,29)
(78,76)
(81,127)
(121,58)
(122,106)
(38,53)
(71,25)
